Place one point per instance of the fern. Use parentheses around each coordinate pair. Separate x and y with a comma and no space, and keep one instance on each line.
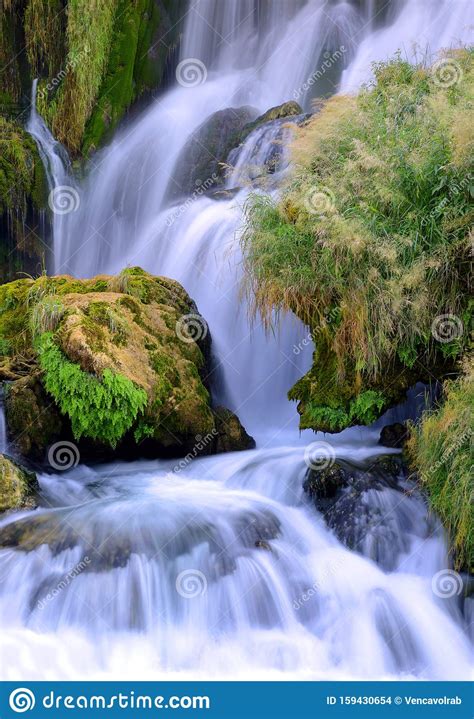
(102,409)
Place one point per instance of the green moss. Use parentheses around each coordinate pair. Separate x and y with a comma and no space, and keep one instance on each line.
(89,35)
(102,409)
(440,449)
(370,242)
(118,88)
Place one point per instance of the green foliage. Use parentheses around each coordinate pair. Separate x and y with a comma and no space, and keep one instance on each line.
(133,29)
(373,229)
(88,39)
(102,409)
(441,451)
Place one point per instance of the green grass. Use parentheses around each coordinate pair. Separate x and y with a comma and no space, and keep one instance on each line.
(371,239)
(441,451)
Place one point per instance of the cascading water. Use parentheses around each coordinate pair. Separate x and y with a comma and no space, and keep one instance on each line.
(224,567)
(57,167)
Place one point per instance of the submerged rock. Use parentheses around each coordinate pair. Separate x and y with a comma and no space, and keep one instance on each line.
(366,508)
(17,485)
(117,364)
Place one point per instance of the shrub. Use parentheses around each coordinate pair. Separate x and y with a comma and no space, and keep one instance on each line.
(441,451)
(369,242)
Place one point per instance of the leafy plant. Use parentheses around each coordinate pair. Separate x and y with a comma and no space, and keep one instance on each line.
(100,408)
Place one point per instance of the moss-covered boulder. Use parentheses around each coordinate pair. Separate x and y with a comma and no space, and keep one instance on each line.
(17,485)
(112,362)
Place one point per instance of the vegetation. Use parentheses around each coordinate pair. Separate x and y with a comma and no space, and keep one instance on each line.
(441,451)
(370,242)
(103,409)
(23,191)
(106,350)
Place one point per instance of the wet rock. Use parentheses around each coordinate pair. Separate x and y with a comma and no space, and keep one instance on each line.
(287,109)
(119,366)
(231,434)
(17,485)
(394,435)
(33,420)
(364,506)
(200,162)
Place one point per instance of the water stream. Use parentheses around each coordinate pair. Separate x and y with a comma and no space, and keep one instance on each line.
(224,568)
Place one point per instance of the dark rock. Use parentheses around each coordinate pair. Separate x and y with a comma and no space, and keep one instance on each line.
(364,506)
(32,418)
(394,435)
(287,109)
(200,162)
(231,435)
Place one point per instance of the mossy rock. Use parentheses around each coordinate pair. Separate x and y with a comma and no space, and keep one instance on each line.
(33,420)
(230,433)
(17,485)
(111,366)
(23,194)
(287,109)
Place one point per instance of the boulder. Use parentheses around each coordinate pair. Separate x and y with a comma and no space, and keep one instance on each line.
(118,365)
(364,507)
(231,435)
(200,164)
(394,435)
(17,485)
(287,109)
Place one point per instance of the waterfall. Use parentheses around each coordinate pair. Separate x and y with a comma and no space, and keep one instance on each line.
(225,568)
(63,195)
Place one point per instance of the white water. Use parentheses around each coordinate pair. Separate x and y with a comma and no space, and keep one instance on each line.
(3,425)
(56,164)
(140,525)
